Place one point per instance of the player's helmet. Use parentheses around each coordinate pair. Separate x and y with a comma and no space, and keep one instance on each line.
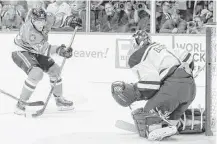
(141,37)
(38,14)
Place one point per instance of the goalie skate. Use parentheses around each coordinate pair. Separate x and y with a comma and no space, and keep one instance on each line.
(63,104)
(162,133)
(20,109)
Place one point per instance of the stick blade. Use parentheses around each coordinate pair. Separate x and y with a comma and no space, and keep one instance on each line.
(37,103)
(38,113)
(125,126)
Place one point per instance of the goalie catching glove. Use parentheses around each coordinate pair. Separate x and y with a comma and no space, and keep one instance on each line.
(124,94)
(64,52)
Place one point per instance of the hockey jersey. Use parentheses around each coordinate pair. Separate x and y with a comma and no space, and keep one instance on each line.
(152,63)
(30,39)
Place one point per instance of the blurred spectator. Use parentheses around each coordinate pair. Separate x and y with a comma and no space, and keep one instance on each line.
(174,25)
(114,20)
(163,15)
(144,21)
(11,17)
(34,4)
(132,15)
(62,9)
(59,7)
(119,16)
(96,14)
(207,14)
(196,26)
(78,8)
(199,6)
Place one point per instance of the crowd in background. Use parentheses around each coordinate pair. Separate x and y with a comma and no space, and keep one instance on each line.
(120,16)
(14,13)
(124,16)
(183,16)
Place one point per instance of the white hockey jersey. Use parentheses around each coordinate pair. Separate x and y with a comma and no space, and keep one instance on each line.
(153,62)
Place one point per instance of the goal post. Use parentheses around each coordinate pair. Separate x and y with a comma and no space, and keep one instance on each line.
(211,85)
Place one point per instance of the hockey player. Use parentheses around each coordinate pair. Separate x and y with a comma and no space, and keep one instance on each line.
(34,57)
(165,81)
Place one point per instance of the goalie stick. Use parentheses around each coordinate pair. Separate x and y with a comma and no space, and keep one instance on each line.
(126,126)
(41,111)
(36,103)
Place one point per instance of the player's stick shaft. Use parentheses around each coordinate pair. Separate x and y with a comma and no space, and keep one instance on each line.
(41,111)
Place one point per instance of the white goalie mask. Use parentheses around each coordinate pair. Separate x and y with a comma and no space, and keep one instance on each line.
(140,38)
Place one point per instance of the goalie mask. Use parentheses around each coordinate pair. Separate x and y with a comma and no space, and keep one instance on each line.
(140,38)
(124,94)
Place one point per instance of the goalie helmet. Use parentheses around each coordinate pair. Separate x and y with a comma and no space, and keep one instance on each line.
(38,14)
(141,37)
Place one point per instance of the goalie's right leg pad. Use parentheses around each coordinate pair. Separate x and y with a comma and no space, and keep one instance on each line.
(150,125)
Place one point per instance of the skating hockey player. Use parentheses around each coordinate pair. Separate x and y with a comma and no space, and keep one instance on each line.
(165,81)
(34,55)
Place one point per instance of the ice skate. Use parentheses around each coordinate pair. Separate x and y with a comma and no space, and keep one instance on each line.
(162,133)
(20,109)
(63,104)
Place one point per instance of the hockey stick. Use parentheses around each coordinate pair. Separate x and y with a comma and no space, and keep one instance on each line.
(37,103)
(198,72)
(41,111)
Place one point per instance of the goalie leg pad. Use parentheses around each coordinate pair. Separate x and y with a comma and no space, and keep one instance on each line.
(146,121)
(151,125)
(192,122)
(124,94)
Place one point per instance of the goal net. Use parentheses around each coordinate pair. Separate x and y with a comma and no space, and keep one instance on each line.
(211,82)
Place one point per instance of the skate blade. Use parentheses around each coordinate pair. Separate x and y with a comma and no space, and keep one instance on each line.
(64,108)
(162,133)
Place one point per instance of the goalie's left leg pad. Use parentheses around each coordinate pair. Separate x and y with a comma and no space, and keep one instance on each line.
(192,124)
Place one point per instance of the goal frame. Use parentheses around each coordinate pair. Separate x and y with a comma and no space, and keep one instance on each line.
(209,74)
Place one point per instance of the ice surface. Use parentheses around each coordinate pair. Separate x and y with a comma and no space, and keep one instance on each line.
(92,121)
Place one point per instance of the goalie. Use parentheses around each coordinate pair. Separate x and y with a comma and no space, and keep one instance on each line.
(33,56)
(165,81)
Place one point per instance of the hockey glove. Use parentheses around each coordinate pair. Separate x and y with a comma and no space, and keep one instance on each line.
(64,52)
(73,21)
